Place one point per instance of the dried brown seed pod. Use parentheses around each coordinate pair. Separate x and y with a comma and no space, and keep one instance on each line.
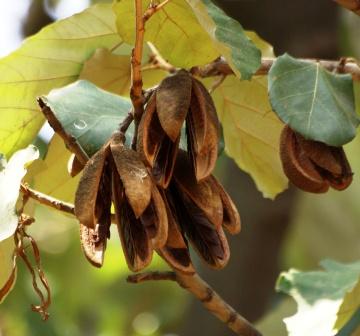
(156,146)
(231,218)
(313,166)
(93,237)
(175,252)
(204,194)
(117,173)
(92,245)
(173,101)
(87,190)
(200,212)
(179,98)
(202,125)
(133,174)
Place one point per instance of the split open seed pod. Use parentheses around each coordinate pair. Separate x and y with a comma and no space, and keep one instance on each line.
(93,206)
(117,173)
(200,212)
(139,208)
(179,98)
(313,166)
(176,251)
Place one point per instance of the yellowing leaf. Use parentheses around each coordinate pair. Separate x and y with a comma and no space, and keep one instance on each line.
(51,175)
(113,72)
(6,263)
(174,30)
(349,306)
(52,58)
(251,131)
(251,128)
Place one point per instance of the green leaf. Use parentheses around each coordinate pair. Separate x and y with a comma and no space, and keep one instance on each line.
(229,37)
(314,102)
(174,30)
(319,295)
(7,271)
(88,113)
(11,174)
(52,58)
(357,96)
(113,72)
(251,129)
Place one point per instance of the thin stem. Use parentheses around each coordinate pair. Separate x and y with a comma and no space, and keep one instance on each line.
(153,8)
(208,297)
(217,83)
(69,140)
(136,92)
(151,276)
(221,67)
(51,201)
(47,200)
(124,125)
(156,61)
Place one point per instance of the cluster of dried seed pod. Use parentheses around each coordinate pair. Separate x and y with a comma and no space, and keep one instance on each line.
(313,166)
(163,196)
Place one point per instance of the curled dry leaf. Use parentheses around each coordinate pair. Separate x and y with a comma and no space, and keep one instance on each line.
(313,166)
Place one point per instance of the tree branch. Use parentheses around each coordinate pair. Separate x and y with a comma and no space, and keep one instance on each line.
(353,5)
(136,55)
(51,201)
(47,200)
(220,67)
(156,61)
(150,276)
(192,283)
(204,293)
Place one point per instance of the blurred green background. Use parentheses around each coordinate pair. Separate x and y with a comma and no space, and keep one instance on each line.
(297,230)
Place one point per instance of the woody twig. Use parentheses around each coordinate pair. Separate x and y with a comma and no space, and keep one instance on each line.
(208,297)
(220,67)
